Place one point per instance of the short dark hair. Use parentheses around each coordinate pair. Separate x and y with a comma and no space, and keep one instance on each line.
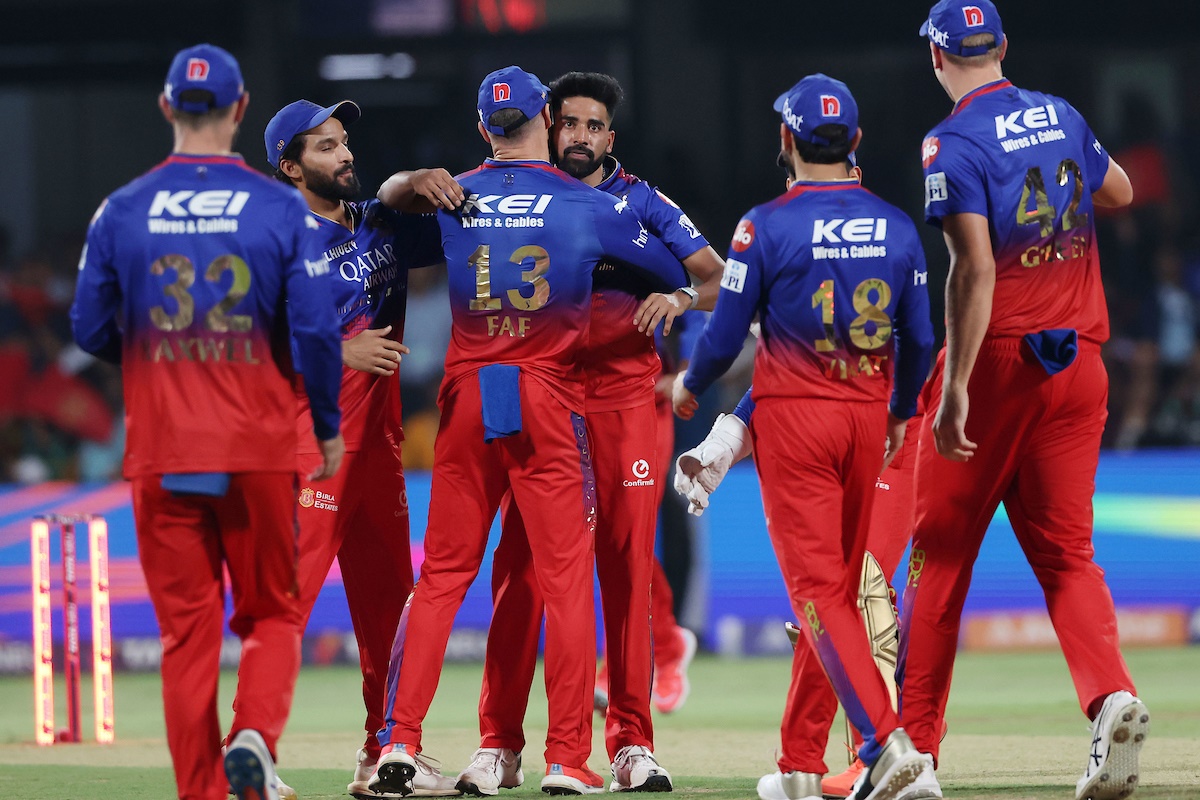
(192,120)
(515,124)
(292,152)
(836,151)
(594,85)
(977,40)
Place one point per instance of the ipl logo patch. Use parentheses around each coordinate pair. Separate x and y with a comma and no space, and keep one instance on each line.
(973,16)
(307,497)
(830,106)
(500,92)
(197,69)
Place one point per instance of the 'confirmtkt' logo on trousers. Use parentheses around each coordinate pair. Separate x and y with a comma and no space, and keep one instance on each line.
(641,474)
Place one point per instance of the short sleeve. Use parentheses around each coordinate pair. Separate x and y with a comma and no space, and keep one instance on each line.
(954,178)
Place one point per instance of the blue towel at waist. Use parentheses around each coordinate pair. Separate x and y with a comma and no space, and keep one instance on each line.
(1054,349)
(500,389)
(210,484)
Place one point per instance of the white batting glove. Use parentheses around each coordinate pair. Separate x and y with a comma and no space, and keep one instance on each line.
(699,471)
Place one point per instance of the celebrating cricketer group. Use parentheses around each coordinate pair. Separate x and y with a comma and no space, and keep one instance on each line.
(259,322)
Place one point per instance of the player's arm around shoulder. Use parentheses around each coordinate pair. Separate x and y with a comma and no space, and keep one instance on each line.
(623,237)
(421,191)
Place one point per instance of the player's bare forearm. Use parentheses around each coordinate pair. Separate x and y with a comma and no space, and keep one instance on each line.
(969,290)
(706,266)
(421,191)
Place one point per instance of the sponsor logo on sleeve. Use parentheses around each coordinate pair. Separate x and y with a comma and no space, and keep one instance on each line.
(1095,146)
(743,236)
(686,223)
(734,276)
(935,189)
(622,204)
(973,16)
(929,150)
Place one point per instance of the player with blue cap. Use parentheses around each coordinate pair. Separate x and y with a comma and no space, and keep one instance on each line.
(1016,401)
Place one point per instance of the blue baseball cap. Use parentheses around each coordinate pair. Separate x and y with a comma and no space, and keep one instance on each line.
(300,116)
(815,101)
(951,21)
(511,87)
(208,68)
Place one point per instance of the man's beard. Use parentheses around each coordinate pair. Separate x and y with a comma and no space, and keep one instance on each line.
(580,169)
(332,187)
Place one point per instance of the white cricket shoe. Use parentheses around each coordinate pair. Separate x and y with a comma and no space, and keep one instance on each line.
(427,782)
(250,768)
(898,767)
(394,771)
(490,770)
(1118,733)
(636,770)
(925,787)
(790,786)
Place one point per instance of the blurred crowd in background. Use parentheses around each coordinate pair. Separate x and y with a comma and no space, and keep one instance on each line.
(61,413)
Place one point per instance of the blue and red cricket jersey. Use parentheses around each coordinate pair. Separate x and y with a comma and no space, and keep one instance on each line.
(837,277)
(1029,163)
(190,278)
(520,255)
(620,361)
(369,282)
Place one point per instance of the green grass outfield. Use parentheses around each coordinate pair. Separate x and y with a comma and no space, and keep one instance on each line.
(1015,732)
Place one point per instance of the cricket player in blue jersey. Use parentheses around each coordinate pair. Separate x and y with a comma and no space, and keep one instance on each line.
(360,517)
(1018,397)
(837,277)
(184,280)
(520,254)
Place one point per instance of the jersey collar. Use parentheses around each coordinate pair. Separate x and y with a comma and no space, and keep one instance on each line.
(980,91)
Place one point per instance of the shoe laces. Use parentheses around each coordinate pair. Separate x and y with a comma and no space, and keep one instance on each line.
(428,764)
(487,759)
(630,755)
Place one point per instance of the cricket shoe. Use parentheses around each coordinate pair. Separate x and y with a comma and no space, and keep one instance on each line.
(842,784)
(394,771)
(925,787)
(790,786)
(1118,733)
(636,770)
(492,769)
(427,782)
(897,768)
(671,687)
(285,792)
(250,768)
(600,693)
(561,779)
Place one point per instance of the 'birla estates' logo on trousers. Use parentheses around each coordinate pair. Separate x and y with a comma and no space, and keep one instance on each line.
(641,474)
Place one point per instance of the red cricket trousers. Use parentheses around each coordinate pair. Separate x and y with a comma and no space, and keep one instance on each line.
(368,534)
(817,463)
(547,468)
(1039,443)
(183,542)
(628,488)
